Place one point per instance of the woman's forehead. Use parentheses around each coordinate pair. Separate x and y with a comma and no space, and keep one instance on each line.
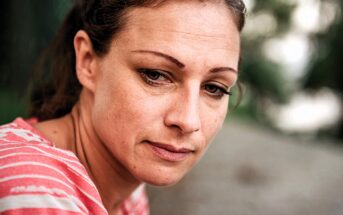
(206,18)
(190,27)
(187,21)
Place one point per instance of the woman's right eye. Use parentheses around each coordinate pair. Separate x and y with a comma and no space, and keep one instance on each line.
(154,76)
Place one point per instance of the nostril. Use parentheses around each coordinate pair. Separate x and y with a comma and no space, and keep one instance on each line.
(183,128)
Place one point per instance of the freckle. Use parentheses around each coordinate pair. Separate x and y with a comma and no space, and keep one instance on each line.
(54,131)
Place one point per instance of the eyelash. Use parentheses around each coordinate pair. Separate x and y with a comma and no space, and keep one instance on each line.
(221,93)
(146,75)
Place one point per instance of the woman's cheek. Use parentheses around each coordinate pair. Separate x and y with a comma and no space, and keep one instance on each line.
(213,123)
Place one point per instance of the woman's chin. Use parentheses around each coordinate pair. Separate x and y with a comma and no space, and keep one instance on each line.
(162,182)
(161,178)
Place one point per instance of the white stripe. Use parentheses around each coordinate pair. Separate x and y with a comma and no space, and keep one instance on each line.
(36,176)
(75,161)
(90,183)
(22,133)
(53,179)
(73,158)
(41,145)
(44,165)
(99,204)
(57,180)
(49,191)
(35,154)
(37,201)
(20,143)
(70,167)
(16,164)
(78,172)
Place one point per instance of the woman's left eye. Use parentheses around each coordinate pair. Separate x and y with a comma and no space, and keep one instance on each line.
(153,76)
(216,91)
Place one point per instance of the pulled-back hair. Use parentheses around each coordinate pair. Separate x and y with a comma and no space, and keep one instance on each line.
(102,19)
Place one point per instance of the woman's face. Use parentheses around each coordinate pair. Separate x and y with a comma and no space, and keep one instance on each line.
(161,91)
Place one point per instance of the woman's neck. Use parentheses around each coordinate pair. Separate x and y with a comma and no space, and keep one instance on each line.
(74,132)
(112,179)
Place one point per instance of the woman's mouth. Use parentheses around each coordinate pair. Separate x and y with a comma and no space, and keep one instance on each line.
(169,152)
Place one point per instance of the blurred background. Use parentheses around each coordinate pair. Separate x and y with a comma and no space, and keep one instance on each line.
(280,151)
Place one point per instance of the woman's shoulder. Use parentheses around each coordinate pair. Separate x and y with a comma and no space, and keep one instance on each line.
(21,131)
(20,140)
(37,176)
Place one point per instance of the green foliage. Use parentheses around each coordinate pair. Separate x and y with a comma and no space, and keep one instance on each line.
(281,11)
(325,70)
(263,78)
(26,29)
(12,105)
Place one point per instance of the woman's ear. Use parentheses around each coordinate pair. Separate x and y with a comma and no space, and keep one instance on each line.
(85,61)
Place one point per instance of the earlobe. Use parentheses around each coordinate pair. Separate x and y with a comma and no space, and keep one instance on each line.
(85,60)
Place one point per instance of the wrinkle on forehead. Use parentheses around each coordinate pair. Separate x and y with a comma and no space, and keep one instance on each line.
(184,28)
(186,16)
(169,34)
(186,33)
(195,22)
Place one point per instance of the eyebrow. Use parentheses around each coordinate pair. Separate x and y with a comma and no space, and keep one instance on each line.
(168,57)
(222,69)
(181,65)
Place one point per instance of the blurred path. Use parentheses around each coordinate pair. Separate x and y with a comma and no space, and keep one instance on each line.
(249,171)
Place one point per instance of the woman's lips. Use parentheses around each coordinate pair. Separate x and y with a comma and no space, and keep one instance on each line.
(169,152)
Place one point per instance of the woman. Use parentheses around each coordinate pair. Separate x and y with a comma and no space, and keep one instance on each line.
(139,90)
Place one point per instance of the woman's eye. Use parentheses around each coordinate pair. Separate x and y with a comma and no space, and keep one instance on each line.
(153,76)
(216,91)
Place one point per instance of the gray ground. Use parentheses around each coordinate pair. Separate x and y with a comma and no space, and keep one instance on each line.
(250,171)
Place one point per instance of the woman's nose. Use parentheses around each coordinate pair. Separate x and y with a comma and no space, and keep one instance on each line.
(184,114)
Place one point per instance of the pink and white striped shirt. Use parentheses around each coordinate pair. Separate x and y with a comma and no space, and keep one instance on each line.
(38,178)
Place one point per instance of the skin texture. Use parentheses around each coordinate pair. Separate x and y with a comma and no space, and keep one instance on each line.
(134,126)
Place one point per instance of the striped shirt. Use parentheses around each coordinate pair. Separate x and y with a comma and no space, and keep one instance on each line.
(38,178)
